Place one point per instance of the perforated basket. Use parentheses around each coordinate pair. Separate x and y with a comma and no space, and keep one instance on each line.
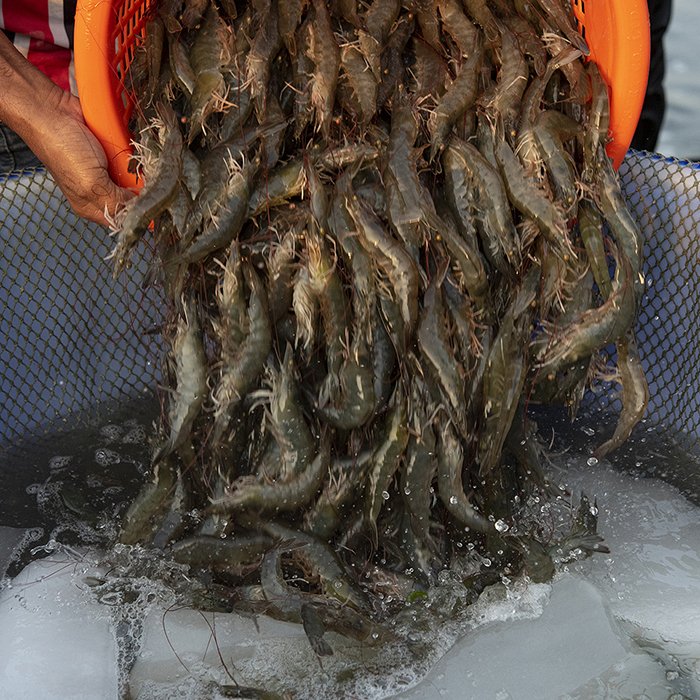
(108,32)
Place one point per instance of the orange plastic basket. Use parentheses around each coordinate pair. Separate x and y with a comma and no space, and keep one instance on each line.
(108,32)
(107,35)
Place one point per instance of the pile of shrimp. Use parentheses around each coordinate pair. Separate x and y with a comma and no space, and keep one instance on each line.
(383,229)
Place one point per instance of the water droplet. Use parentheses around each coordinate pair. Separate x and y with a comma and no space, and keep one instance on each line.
(407,491)
(501,526)
(453,500)
(671,675)
(375,635)
(337,584)
(589,431)
(591,461)
(487,562)
(385,495)
(594,510)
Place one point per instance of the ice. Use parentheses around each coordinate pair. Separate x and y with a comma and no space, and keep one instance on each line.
(56,642)
(623,625)
(573,641)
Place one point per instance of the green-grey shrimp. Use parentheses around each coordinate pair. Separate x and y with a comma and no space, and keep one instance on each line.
(277,497)
(242,371)
(324,562)
(457,99)
(232,555)
(391,257)
(227,224)
(325,53)
(505,373)
(264,48)
(159,191)
(458,26)
(528,199)
(622,224)
(552,128)
(466,166)
(344,480)
(385,462)
(595,328)
(450,486)
(591,229)
(436,350)
(635,393)
(191,376)
(209,53)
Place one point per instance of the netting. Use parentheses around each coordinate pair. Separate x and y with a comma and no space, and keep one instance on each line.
(75,344)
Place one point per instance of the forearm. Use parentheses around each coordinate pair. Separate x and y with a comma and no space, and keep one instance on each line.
(50,121)
(27,96)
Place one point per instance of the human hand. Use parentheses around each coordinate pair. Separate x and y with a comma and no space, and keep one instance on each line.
(51,123)
(78,164)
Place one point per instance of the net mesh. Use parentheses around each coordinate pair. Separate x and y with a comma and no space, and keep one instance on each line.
(75,344)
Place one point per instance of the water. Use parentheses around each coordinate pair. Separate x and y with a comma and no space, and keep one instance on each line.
(680,133)
(621,625)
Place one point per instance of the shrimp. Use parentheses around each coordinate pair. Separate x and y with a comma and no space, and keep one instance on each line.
(277,497)
(421,466)
(458,26)
(450,485)
(622,224)
(228,223)
(528,199)
(505,374)
(339,492)
(551,129)
(512,81)
(232,555)
(209,53)
(361,80)
(594,329)
(159,191)
(378,21)
(390,256)
(434,345)
(635,393)
(495,220)
(325,53)
(598,122)
(324,561)
(264,48)
(458,97)
(590,226)
(556,12)
(403,188)
(243,369)
(137,525)
(191,377)
(385,462)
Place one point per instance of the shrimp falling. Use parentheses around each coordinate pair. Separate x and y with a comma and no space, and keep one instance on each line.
(382,231)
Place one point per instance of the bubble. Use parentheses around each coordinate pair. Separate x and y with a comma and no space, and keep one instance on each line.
(594,510)
(105,457)
(589,431)
(385,495)
(135,436)
(591,461)
(407,491)
(500,526)
(111,432)
(671,675)
(453,500)
(59,462)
